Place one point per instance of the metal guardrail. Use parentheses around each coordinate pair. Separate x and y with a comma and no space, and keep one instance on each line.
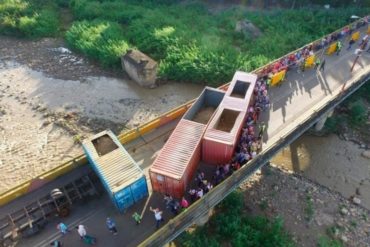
(177,225)
(130,135)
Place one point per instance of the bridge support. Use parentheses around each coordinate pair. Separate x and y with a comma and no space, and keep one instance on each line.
(320,124)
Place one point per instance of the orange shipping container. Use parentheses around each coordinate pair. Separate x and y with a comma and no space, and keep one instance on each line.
(174,167)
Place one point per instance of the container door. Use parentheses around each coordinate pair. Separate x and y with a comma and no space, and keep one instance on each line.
(124,198)
(161,183)
(139,189)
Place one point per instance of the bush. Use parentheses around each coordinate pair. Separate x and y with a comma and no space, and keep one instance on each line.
(358,113)
(231,227)
(327,242)
(40,24)
(100,40)
(22,18)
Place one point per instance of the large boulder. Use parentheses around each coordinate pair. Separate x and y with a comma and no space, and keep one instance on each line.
(140,67)
(247,27)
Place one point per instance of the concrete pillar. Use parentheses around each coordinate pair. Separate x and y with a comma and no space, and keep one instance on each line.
(320,124)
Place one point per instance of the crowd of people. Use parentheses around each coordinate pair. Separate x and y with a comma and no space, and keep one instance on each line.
(298,58)
(250,144)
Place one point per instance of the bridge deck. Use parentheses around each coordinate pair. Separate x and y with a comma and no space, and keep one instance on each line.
(297,97)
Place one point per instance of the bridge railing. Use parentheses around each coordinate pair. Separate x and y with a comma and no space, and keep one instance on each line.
(132,134)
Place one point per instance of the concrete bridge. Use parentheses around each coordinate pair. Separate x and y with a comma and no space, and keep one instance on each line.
(302,100)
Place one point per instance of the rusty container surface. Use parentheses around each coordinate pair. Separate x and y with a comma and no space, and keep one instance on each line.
(222,134)
(174,167)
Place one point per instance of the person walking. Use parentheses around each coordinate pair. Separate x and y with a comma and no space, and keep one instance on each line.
(339,47)
(322,65)
(317,63)
(56,243)
(111,225)
(81,230)
(62,228)
(137,218)
(351,42)
(157,215)
(184,203)
(262,128)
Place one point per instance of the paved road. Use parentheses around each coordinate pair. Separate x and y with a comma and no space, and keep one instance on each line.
(297,96)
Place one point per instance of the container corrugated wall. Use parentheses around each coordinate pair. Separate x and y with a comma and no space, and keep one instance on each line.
(178,159)
(222,134)
(123,179)
(219,143)
(174,167)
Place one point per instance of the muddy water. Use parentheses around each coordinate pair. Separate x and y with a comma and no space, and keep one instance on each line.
(331,162)
(32,141)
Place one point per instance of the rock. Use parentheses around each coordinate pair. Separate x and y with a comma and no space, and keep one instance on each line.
(356,200)
(344,238)
(45,123)
(247,27)
(358,192)
(366,154)
(344,211)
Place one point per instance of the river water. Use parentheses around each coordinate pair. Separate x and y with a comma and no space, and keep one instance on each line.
(331,162)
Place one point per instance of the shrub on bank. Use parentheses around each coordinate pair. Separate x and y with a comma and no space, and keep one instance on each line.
(99,40)
(28,19)
(232,227)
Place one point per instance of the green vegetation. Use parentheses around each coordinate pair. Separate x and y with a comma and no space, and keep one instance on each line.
(100,40)
(309,209)
(203,47)
(231,225)
(356,113)
(324,241)
(196,45)
(28,18)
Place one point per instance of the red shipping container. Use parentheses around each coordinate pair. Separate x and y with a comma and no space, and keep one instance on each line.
(222,134)
(178,159)
(174,167)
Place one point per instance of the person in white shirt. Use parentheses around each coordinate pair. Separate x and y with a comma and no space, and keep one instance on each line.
(157,215)
(81,231)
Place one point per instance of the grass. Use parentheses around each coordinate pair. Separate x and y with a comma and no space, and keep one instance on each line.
(100,40)
(325,241)
(309,208)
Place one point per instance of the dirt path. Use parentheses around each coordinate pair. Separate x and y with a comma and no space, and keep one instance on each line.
(50,96)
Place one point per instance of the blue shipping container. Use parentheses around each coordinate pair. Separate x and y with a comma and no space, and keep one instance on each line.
(123,179)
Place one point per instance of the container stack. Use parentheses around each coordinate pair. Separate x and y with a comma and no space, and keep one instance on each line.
(222,134)
(174,167)
(121,176)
